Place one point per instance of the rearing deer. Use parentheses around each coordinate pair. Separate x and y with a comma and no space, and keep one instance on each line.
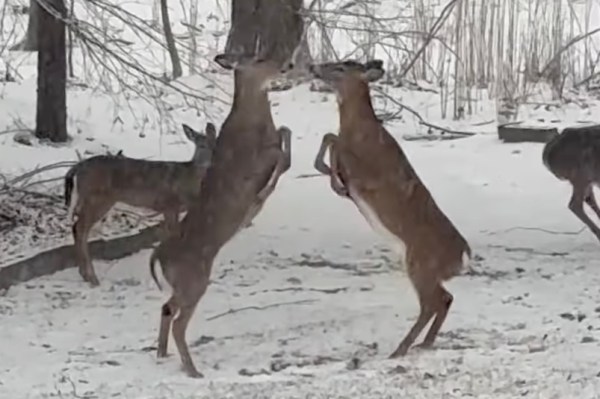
(368,166)
(94,185)
(574,155)
(250,156)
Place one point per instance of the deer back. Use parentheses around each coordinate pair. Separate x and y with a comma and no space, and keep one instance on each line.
(574,154)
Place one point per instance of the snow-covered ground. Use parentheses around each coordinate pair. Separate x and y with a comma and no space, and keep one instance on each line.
(309,303)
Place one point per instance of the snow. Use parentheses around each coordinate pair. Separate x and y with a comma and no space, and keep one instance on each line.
(309,301)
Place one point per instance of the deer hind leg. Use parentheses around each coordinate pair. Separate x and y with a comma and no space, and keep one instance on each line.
(179,328)
(169,310)
(580,192)
(428,303)
(89,212)
(188,300)
(590,199)
(444,300)
(171,219)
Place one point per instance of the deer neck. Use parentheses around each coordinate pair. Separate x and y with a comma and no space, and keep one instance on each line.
(250,97)
(355,108)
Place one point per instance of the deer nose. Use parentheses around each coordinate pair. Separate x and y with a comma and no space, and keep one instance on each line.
(287,67)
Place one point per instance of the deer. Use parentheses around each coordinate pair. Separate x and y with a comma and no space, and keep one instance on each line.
(574,155)
(250,157)
(94,185)
(368,167)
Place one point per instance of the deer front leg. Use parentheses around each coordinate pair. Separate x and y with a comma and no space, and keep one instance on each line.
(281,158)
(336,183)
(330,141)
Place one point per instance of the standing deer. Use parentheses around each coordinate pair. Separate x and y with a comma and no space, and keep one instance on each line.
(574,155)
(94,185)
(250,156)
(368,167)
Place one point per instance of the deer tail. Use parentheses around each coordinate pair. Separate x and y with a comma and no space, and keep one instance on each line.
(71,191)
(466,259)
(69,183)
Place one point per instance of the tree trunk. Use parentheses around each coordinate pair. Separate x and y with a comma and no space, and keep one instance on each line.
(30,41)
(270,27)
(245,24)
(51,116)
(175,61)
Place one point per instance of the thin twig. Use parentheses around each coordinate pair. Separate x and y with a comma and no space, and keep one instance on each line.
(567,233)
(38,170)
(422,120)
(273,305)
(305,175)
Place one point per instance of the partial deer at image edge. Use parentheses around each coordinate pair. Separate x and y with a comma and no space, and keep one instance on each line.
(574,155)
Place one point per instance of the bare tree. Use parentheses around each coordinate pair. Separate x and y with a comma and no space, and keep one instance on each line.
(51,115)
(30,41)
(175,61)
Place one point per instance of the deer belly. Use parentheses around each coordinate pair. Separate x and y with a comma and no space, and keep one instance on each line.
(375,222)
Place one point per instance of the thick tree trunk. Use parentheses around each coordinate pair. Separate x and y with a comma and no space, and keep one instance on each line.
(30,41)
(175,61)
(51,116)
(269,27)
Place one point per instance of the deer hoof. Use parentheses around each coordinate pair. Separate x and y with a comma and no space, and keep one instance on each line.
(424,346)
(194,374)
(93,281)
(161,353)
(398,353)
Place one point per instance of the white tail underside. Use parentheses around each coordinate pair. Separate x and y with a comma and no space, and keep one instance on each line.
(74,199)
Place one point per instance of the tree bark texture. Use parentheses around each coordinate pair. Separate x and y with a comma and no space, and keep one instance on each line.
(272,28)
(30,41)
(175,60)
(51,115)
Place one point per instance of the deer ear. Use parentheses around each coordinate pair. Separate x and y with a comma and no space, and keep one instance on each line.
(190,133)
(226,61)
(376,64)
(373,70)
(211,132)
